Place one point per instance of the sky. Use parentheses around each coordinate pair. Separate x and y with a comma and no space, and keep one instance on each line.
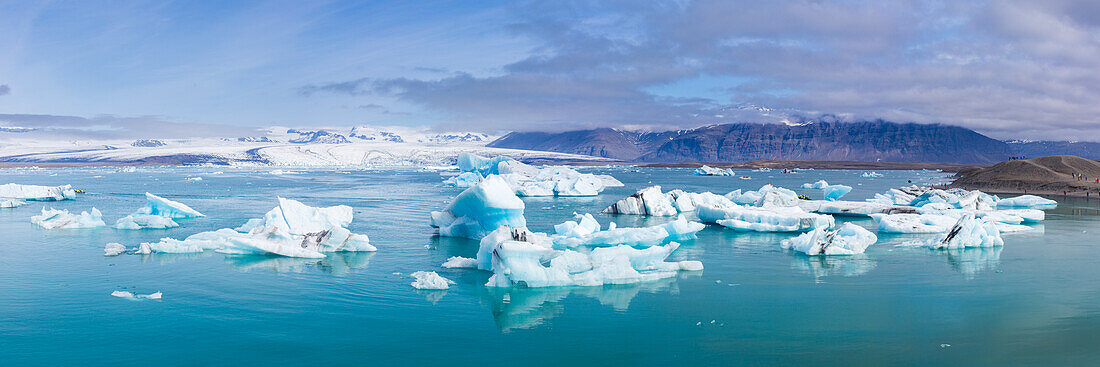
(1008,69)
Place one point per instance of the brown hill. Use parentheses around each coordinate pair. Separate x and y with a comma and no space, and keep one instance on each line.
(1046,175)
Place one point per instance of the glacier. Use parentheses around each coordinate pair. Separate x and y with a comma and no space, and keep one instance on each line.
(62,219)
(37,193)
(479,210)
(849,239)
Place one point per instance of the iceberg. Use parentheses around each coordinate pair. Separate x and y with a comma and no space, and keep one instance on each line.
(145,221)
(647,201)
(464,180)
(113,249)
(571,234)
(37,193)
(853,208)
(771,219)
(504,234)
(521,264)
(130,295)
(820,184)
(430,280)
(968,232)
(479,210)
(711,171)
(62,219)
(156,205)
(459,262)
(849,239)
(767,196)
(12,203)
(291,229)
(835,192)
(527,180)
(871,174)
(1027,201)
(913,223)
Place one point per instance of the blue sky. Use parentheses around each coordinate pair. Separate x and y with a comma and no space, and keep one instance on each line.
(1005,68)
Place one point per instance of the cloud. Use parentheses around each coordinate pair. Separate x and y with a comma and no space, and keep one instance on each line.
(4,89)
(111,127)
(1012,69)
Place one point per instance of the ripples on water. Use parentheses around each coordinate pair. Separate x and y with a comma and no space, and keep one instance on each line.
(1033,301)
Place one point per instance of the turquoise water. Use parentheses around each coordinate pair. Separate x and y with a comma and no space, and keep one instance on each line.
(1034,301)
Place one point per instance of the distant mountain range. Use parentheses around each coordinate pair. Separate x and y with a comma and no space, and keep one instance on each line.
(872,141)
(1036,149)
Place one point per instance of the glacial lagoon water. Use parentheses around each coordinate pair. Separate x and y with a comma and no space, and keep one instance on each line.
(1034,301)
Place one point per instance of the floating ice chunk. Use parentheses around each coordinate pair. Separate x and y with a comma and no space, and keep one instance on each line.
(480,209)
(711,171)
(521,264)
(853,208)
(430,280)
(685,202)
(11,203)
(647,201)
(969,232)
(583,226)
(37,193)
(300,219)
(464,179)
(691,265)
(458,262)
(820,184)
(766,196)
(502,234)
(113,249)
(128,169)
(485,166)
(145,221)
(1013,216)
(130,295)
(834,192)
(1027,201)
(62,219)
(849,239)
(771,219)
(609,181)
(870,174)
(156,205)
(194,179)
(679,229)
(913,223)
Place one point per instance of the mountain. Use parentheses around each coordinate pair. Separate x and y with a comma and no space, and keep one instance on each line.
(1045,175)
(1083,149)
(872,141)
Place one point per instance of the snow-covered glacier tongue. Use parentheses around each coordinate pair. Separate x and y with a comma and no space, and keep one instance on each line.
(291,229)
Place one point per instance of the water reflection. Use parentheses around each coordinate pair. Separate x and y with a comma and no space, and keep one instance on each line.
(168,258)
(971,261)
(337,263)
(823,266)
(525,308)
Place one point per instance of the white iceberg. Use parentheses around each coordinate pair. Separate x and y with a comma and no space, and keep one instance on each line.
(767,196)
(459,262)
(485,166)
(647,201)
(504,234)
(292,229)
(1027,201)
(62,219)
(464,180)
(527,180)
(129,295)
(430,280)
(820,184)
(913,223)
(145,221)
(156,205)
(853,208)
(571,235)
(113,249)
(711,171)
(770,219)
(480,209)
(521,264)
(37,193)
(968,232)
(849,239)
(870,174)
(11,203)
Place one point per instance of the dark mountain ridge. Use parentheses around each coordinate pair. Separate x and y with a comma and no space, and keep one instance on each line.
(870,141)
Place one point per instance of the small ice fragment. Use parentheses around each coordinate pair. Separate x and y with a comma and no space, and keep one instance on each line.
(194,179)
(430,280)
(156,295)
(113,249)
(122,294)
(460,262)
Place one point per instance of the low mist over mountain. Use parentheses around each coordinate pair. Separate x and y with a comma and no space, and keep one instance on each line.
(1036,149)
(876,141)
